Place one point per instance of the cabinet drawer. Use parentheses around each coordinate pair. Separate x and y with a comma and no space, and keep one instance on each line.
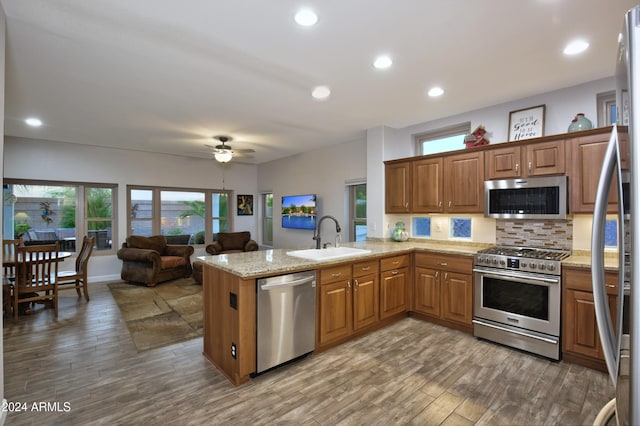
(335,274)
(580,279)
(463,264)
(394,262)
(365,268)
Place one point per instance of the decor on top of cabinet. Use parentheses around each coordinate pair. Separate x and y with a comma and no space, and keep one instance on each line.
(477,138)
(526,123)
(580,122)
(400,232)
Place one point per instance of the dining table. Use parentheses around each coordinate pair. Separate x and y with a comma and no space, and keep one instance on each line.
(11,260)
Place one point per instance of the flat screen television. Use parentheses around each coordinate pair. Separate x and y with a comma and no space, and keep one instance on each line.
(299,211)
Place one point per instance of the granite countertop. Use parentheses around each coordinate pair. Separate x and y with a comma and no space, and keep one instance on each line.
(582,259)
(263,263)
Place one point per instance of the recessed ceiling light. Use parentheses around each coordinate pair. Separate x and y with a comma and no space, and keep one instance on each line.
(321,92)
(382,62)
(33,122)
(575,47)
(434,92)
(306,17)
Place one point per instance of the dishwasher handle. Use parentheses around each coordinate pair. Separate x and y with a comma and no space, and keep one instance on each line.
(292,283)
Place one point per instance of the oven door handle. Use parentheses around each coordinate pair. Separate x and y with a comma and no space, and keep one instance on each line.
(511,274)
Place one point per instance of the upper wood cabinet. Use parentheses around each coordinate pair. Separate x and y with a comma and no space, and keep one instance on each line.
(464,183)
(427,195)
(586,162)
(535,159)
(398,183)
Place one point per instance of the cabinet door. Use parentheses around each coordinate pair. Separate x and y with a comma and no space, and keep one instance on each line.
(580,334)
(546,158)
(393,292)
(398,187)
(366,301)
(427,185)
(457,297)
(464,183)
(586,164)
(335,311)
(426,291)
(503,163)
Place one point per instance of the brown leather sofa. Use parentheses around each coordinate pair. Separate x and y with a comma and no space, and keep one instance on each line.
(226,242)
(150,260)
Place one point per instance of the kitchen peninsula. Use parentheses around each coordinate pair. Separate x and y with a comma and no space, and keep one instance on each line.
(229,295)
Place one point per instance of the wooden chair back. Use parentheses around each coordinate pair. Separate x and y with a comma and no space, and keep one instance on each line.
(37,276)
(10,250)
(85,253)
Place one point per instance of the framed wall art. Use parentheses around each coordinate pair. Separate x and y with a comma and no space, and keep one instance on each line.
(526,123)
(245,205)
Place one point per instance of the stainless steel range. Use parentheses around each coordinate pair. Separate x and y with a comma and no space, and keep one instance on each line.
(517,298)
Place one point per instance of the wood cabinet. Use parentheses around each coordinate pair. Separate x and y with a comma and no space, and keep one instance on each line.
(348,300)
(464,183)
(534,159)
(394,283)
(580,337)
(443,289)
(427,195)
(587,154)
(398,185)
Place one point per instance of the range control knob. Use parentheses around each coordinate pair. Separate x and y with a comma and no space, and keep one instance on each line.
(495,261)
(533,266)
(523,264)
(551,267)
(542,266)
(502,262)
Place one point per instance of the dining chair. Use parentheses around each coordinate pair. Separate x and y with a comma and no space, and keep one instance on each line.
(37,276)
(9,251)
(68,280)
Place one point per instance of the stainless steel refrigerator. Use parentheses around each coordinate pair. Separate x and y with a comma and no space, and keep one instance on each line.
(621,343)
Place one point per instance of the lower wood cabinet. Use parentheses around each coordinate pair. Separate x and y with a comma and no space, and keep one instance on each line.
(348,300)
(580,337)
(394,285)
(443,289)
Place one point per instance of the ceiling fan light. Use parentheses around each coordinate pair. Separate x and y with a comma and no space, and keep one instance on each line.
(223,157)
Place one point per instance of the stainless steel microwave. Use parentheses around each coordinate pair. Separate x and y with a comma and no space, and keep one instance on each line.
(532,198)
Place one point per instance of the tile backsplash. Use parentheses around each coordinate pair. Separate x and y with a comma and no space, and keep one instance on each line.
(553,234)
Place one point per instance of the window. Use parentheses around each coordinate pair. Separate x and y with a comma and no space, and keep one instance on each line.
(358,212)
(460,227)
(421,227)
(442,140)
(267,219)
(184,216)
(606,108)
(45,212)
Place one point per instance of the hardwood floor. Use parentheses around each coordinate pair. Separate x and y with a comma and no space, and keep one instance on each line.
(410,373)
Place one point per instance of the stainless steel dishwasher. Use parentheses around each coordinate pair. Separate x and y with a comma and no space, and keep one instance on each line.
(286,318)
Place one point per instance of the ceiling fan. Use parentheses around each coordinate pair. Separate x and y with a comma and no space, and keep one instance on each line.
(223,153)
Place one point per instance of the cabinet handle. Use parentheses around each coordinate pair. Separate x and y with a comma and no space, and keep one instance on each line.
(355,284)
(517,169)
(394,272)
(365,269)
(395,262)
(348,284)
(406,206)
(610,285)
(530,166)
(449,204)
(443,264)
(334,275)
(437,274)
(446,276)
(439,204)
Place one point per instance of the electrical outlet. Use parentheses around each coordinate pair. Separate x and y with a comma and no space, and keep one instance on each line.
(233,350)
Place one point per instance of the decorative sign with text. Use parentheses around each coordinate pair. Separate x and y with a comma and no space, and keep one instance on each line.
(526,123)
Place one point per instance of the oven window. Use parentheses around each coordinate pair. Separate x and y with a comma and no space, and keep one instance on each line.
(528,300)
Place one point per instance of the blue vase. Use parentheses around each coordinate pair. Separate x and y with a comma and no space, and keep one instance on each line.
(580,122)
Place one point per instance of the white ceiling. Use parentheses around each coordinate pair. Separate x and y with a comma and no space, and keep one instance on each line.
(167,75)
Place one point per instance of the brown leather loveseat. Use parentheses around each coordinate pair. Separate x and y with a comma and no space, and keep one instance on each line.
(150,260)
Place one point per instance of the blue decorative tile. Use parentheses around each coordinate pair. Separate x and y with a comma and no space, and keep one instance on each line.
(460,227)
(421,227)
(611,233)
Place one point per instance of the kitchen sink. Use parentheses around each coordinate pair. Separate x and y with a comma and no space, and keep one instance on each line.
(329,253)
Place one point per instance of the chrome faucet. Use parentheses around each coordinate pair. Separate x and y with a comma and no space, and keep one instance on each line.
(316,234)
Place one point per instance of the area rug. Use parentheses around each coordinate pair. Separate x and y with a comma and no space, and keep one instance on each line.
(163,315)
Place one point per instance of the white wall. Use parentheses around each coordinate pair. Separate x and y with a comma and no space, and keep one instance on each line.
(48,160)
(389,144)
(322,172)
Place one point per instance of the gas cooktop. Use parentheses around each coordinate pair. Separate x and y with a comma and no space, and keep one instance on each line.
(527,259)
